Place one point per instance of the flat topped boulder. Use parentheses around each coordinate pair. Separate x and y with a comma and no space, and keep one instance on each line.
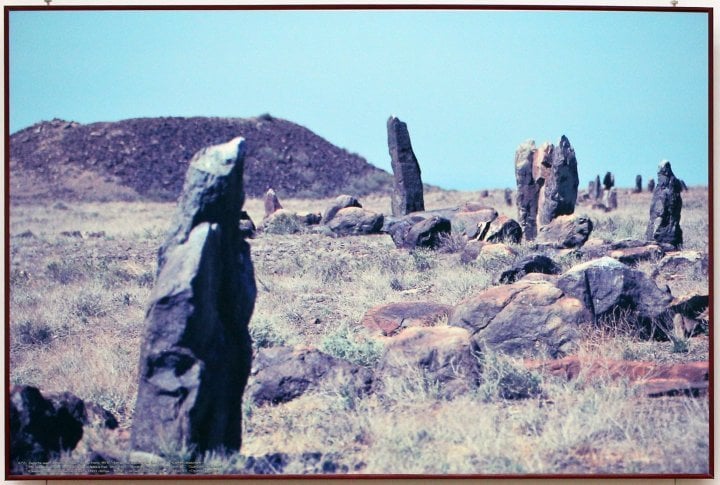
(566,232)
(407,195)
(499,318)
(340,202)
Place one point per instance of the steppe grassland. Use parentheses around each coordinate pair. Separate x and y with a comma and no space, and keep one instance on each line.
(77,307)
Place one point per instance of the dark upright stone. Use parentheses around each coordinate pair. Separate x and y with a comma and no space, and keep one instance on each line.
(638,184)
(407,193)
(651,185)
(561,182)
(272,203)
(508,197)
(664,225)
(196,353)
(609,181)
(598,188)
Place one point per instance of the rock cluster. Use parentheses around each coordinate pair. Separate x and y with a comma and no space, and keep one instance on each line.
(196,351)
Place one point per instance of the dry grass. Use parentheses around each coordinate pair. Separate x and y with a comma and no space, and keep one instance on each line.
(77,307)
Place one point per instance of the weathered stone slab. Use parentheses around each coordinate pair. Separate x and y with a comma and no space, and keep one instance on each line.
(407,193)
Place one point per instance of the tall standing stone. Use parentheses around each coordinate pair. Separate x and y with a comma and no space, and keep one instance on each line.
(528,189)
(665,208)
(638,184)
(611,199)
(651,185)
(508,197)
(196,352)
(559,192)
(598,188)
(609,180)
(407,193)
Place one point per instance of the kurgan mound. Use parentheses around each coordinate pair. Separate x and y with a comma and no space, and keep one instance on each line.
(148,157)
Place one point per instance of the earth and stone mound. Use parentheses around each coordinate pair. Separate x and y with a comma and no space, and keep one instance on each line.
(148,157)
(196,351)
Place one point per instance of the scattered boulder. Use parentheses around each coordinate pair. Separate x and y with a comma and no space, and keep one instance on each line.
(638,184)
(272,203)
(634,255)
(196,350)
(535,263)
(407,195)
(472,223)
(341,202)
(651,185)
(653,380)
(43,427)
(564,232)
(389,319)
(420,230)
(694,314)
(684,272)
(281,374)
(561,182)
(606,284)
(664,225)
(443,356)
(501,229)
(498,318)
(528,188)
(353,221)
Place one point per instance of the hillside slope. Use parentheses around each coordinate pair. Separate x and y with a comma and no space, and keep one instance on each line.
(147,158)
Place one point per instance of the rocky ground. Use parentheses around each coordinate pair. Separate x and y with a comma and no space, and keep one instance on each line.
(373,359)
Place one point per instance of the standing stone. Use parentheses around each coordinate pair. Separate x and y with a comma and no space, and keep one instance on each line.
(407,193)
(559,171)
(508,197)
(272,204)
(651,185)
(609,180)
(611,199)
(196,352)
(598,189)
(484,193)
(528,189)
(664,225)
(591,189)
(638,184)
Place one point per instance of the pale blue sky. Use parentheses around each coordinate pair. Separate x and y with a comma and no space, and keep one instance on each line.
(628,89)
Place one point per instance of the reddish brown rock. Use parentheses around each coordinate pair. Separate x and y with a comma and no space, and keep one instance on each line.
(653,379)
(388,320)
(501,229)
(637,254)
(564,232)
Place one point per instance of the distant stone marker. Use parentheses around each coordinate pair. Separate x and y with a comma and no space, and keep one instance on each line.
(508,197)
(196,353)
(559,192)
(598,188)
(638,184)
(651,185)
(272,203)
(609,181)
(611,199)
(407,193)
(528,189)
(664,224)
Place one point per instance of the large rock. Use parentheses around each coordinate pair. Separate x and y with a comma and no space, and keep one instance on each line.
(407,193)
(420,230)
(443,357)
(535,263)
(341,202)
(664,225)
(605,285)
(389,319)
(684,272)
(501,229)
(354,221)
(196,351)
(528,189)
(471,223)
(559,192)
(43,427)
(634,255)
(566,232)
(281,374)
(608,181)
(525,316)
